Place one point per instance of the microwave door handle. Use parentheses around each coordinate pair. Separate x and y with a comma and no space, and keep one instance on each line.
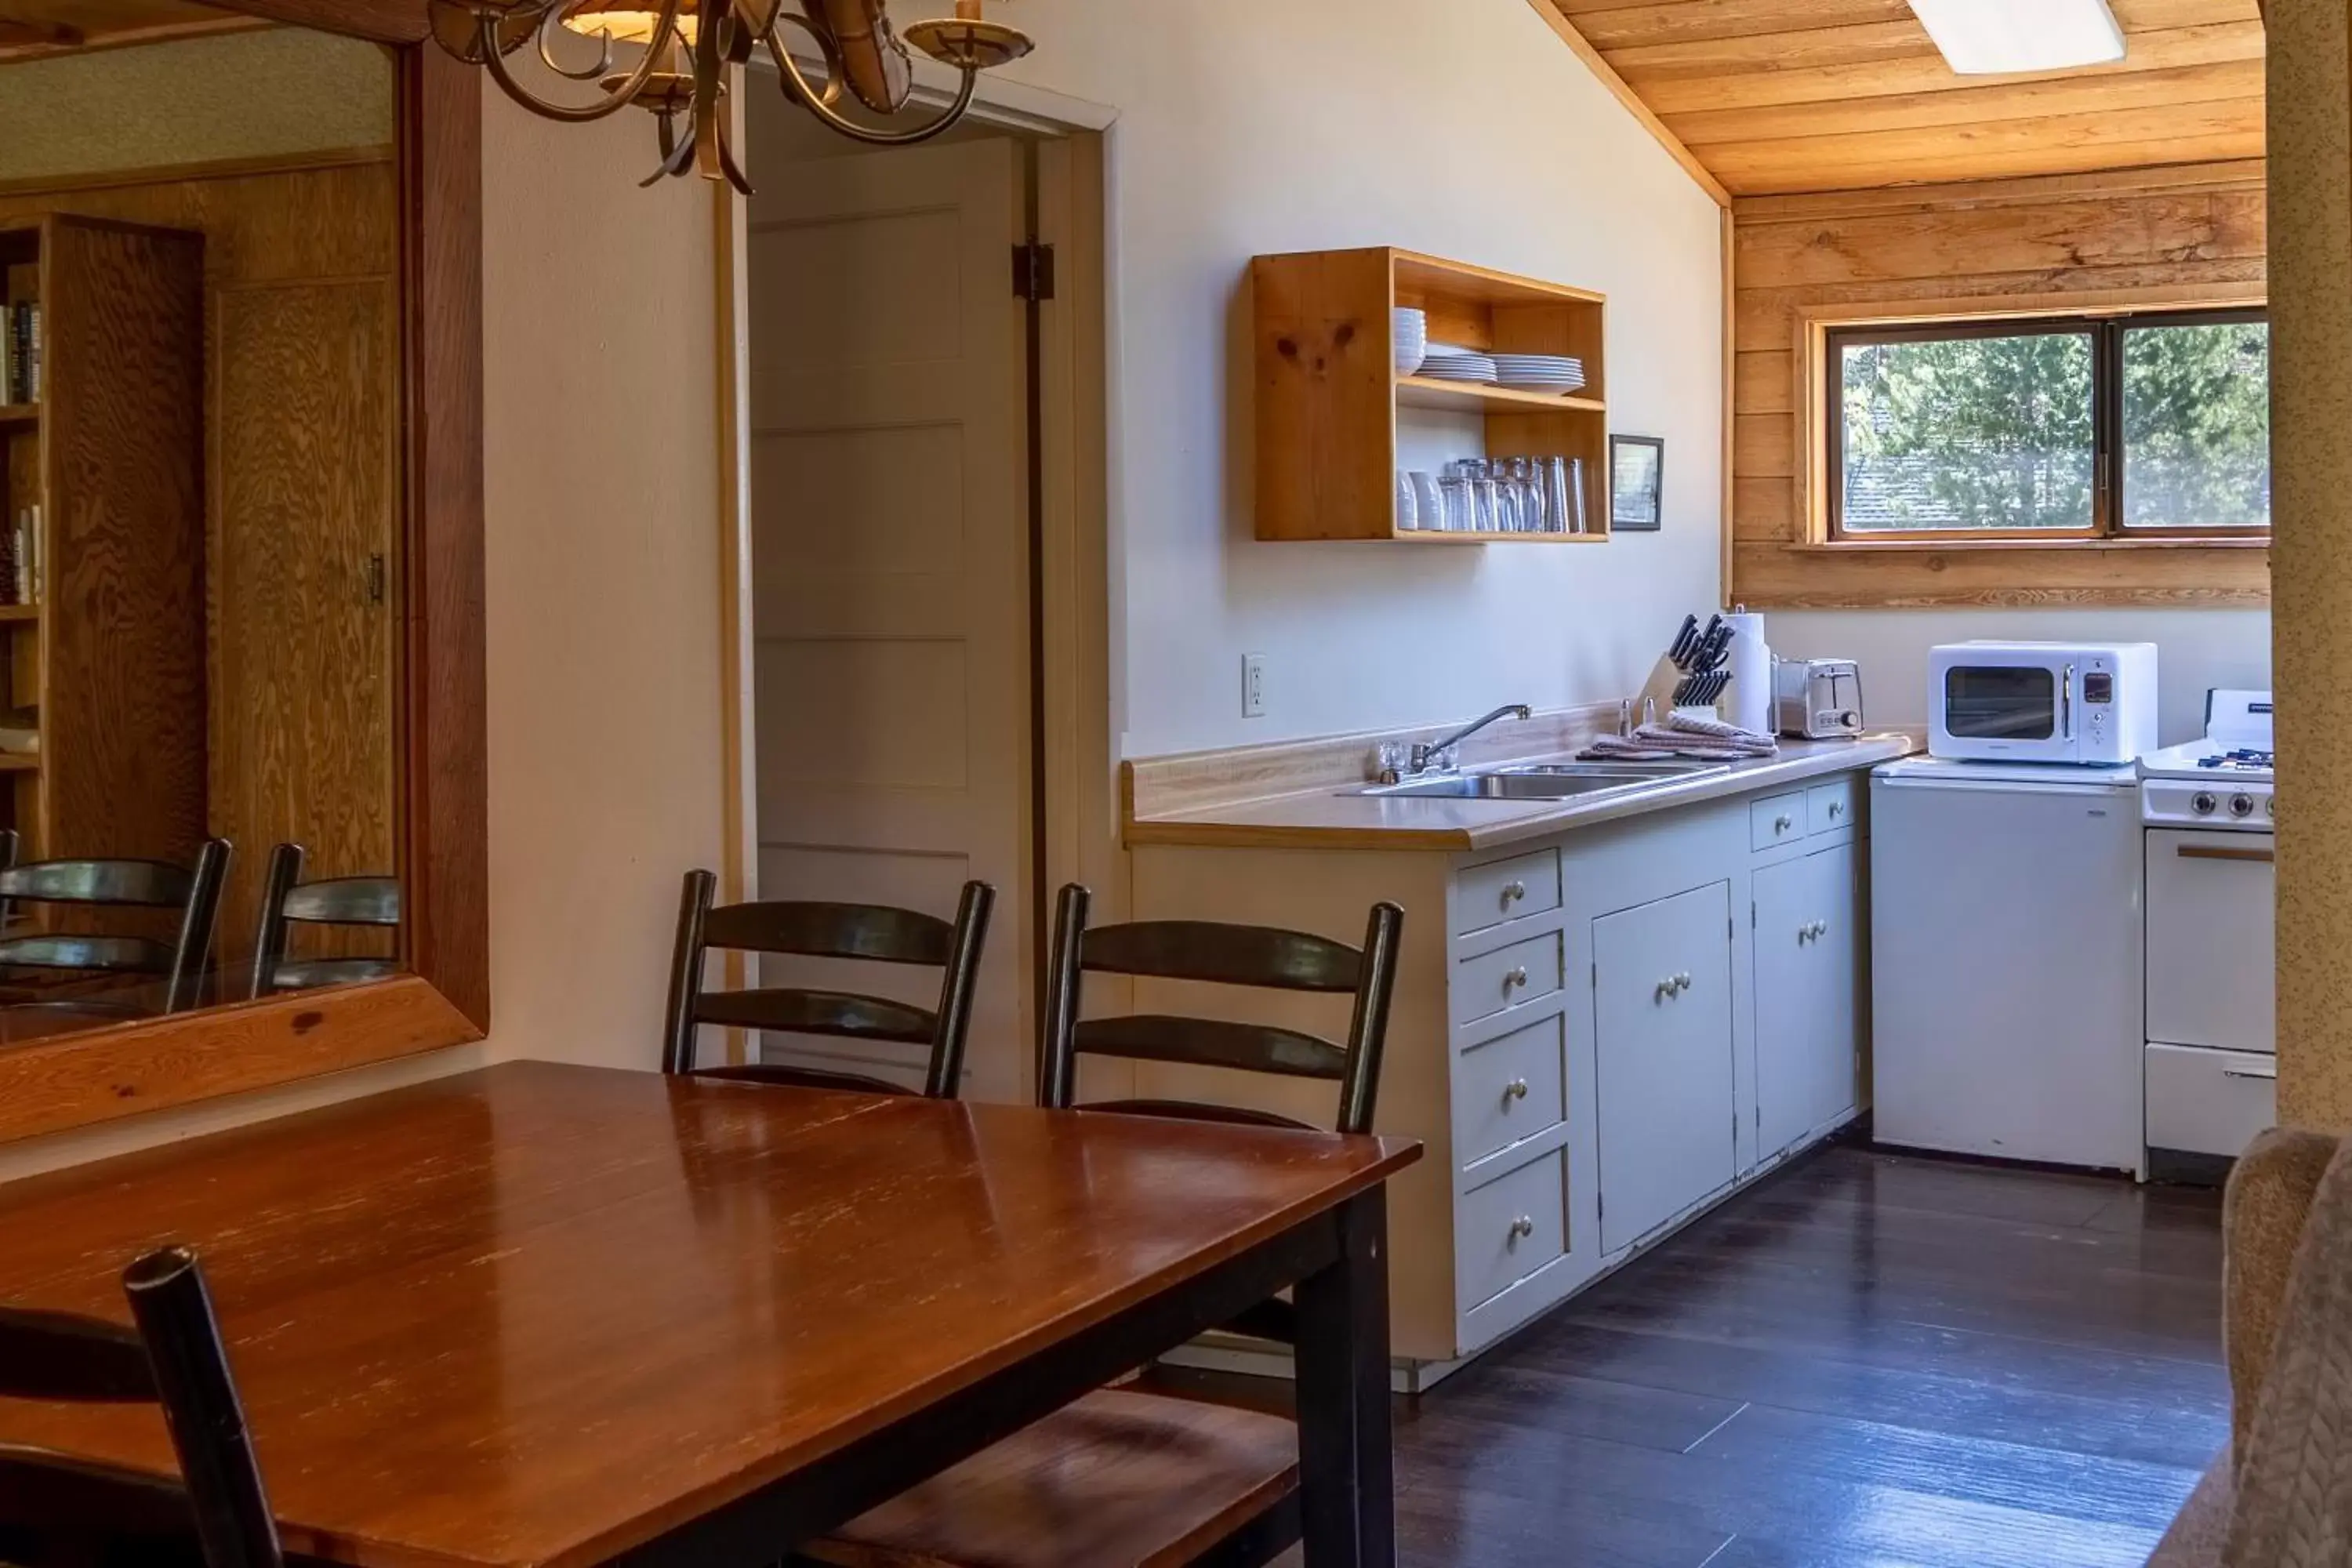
(2066,705)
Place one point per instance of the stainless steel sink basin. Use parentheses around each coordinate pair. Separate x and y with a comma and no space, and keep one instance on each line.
(1554,781)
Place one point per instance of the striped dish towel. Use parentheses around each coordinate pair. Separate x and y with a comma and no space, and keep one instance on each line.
(1682,735)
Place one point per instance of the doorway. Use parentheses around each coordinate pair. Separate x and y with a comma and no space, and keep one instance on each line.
(922,594)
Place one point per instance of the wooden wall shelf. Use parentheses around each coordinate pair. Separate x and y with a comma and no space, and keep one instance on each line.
(1328,390)
(12,414)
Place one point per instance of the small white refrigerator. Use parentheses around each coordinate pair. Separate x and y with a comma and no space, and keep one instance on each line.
(2007,961)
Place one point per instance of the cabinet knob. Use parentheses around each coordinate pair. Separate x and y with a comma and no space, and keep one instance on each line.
(1516,1090)
(1682,982)
(1837,809)
(1514,891)
(1525,1225)
(1515,979)
(1820,929)
(1782,823)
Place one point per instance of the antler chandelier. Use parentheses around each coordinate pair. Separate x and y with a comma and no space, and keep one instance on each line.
(681,75)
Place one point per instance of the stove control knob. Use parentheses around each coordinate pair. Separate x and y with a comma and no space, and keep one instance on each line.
(2203,804)
(2270,807)
(2241,806)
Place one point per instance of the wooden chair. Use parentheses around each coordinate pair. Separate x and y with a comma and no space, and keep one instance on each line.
(287,901)
(1128,1479)
(73,1512)
(872,932)
(180,964)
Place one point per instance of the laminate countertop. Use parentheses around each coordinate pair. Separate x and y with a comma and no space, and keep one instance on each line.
(1333,818)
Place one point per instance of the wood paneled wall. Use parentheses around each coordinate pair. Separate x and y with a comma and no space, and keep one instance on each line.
(302,497)
(2138,238)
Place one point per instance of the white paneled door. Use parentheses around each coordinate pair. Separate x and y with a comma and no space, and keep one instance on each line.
(890,567)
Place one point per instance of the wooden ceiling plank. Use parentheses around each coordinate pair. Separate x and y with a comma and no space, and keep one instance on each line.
(2194,226)
(2169,49)
(2243,174)
(1615,23)
(1797,49)
(1777,173)
(1566,32)
(2007,100)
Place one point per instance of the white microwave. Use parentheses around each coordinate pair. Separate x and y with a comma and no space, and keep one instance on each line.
(2041,702)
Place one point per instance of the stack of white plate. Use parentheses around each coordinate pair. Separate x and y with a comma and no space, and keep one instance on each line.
(1446,363)
(1411,332)
(1555,374)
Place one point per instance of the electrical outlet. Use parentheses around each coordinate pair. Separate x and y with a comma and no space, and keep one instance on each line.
(1253,685)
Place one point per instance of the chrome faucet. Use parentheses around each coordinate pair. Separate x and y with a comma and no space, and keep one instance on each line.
(1426,757)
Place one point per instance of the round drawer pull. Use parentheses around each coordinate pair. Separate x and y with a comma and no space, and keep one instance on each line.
(1523,1226)
(1782,823)
(1515,979)
(1516,1090)
(1837,809)
(1513,892)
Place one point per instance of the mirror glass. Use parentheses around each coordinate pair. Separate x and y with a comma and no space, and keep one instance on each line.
(200,574)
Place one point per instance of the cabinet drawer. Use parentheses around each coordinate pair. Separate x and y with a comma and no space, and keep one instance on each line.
(1775,819)
(1830,806)
(1510,1227)
(2203,1102)
(1506,977)
(1485,896)
(1509,1089)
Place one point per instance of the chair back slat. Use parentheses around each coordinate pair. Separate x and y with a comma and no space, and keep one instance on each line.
(1212,1042)
(874,932)
(62,1355)
(311,973)
(1199,1111)
(71,950)
(344,901)
(217,1512)
(1259,956)
(152,884)
(833,1013)
(287,901)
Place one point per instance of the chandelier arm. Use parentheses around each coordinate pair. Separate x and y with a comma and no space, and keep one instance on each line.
(821,105)
(620,97)
(547,58)
(707,44)
(798,84)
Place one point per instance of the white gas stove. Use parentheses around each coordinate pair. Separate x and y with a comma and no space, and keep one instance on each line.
(2211,1066)
(2221,781)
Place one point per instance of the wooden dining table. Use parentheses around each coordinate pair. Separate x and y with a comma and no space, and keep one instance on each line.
(552,1315)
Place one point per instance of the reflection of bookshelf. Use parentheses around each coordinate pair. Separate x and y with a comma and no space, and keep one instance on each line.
(111,653)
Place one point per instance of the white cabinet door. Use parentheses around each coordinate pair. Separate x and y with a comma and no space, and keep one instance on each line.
(1834,959)
(1807,1007)
(1662,1015)
(1787,1002)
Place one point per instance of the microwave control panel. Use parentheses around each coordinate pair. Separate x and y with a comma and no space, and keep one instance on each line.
(2099,703)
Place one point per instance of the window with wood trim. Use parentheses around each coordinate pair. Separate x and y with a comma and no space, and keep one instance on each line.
(2153,427)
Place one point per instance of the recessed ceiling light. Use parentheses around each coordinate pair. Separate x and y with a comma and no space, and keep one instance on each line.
(1988,37)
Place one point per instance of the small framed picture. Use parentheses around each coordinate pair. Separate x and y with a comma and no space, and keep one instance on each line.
(1637,466)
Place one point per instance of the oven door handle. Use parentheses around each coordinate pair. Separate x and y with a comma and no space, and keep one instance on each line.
(2264,854)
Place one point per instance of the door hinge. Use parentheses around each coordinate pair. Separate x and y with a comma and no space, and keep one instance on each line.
(1032,272)
(375,579)
(1600,1205)
(1751,917)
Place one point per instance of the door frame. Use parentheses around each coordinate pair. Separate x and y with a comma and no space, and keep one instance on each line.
(1077,772)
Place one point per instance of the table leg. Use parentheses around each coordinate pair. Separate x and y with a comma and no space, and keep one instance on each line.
(1346,1465)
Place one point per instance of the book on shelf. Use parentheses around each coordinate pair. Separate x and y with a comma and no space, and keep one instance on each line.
(20,351)
(21,585)
(20,732)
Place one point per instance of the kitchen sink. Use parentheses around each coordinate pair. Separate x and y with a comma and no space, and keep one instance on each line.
(1553,781)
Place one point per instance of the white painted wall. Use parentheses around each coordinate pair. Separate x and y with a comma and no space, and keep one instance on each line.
(2198,650)
(1465,128)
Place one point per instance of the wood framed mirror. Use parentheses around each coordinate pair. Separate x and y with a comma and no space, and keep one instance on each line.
(153,520)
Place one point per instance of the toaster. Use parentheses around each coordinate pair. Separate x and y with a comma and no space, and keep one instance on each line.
(1817,699)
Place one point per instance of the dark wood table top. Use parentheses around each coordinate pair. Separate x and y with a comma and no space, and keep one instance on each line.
(540,1313)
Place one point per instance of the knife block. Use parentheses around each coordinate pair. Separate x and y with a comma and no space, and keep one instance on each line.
(1659,689)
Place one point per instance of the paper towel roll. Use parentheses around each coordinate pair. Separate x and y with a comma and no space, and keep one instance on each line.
(1748,703)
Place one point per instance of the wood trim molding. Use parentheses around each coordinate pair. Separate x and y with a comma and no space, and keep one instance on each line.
(220,169)
(1625,95)
(1813,571)
(78,1081)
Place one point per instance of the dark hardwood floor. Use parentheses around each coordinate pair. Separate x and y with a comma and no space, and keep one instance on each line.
(1868,1360)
